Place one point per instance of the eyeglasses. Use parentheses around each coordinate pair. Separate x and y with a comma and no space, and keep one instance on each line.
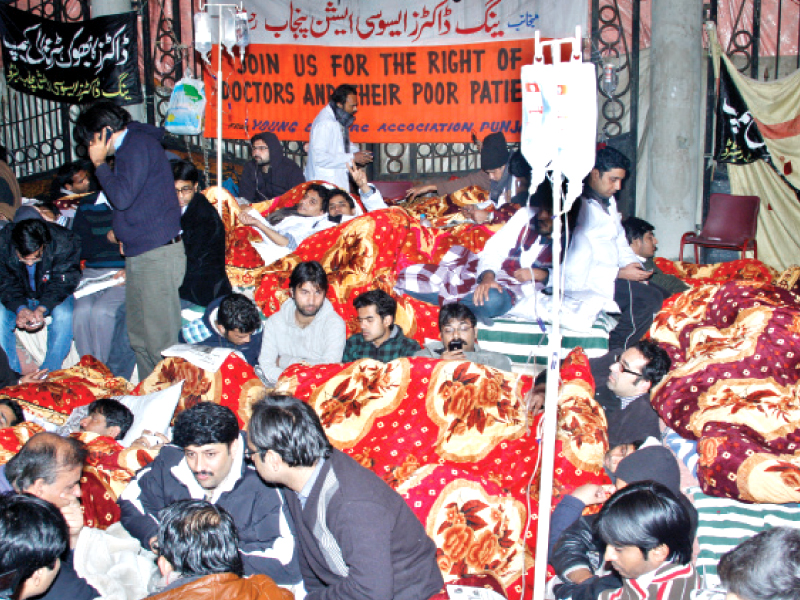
(259,148)
(31,259)
(625,369)
(249,454)
(184,190)
(463,329)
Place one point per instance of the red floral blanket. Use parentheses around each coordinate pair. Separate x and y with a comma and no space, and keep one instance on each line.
(453,438)
(735,387)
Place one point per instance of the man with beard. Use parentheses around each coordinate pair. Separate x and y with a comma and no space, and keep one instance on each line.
(380,338)
(601,264)
(305,330)
(206,461)
(270,173)
(329,147)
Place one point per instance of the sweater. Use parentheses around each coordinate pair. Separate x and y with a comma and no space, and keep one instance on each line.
(204,243)
(204,332)
(282,175)
(92,222)
(141,190)
(286,343)
(435,349)
(671,582)
(359,540)
(637,421)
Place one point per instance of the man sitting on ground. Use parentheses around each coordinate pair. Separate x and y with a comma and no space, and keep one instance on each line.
(648,537)
(39,271)
(380,338)
(49,467)
(640,235)
(73,179)
(33,538)
(358,537)
(625,392)
(269,173)
(206,460)
(232,321)
(458,328)
(198,556)
(306,330)
(764,567)
(576,551)
(108,417)
(599,262)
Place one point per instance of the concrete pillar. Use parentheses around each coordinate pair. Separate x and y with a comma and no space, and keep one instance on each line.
(114,7)
(676,148)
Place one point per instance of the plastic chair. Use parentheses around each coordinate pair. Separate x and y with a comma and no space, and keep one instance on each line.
(730,224)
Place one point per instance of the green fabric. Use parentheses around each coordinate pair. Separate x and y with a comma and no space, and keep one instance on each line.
(397,346)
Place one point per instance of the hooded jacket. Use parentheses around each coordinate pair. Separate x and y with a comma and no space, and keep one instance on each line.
(282,175)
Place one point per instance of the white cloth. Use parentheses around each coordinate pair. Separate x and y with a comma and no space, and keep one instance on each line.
(597,252)
(327,159)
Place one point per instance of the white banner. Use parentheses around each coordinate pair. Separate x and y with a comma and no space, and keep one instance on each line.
(403,22)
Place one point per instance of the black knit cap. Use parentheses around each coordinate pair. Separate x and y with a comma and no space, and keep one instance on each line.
(654,463)
(494,151)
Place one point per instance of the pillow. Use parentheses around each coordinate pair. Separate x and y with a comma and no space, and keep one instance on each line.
(153,411)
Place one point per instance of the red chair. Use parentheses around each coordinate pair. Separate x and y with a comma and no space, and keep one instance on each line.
(731,224)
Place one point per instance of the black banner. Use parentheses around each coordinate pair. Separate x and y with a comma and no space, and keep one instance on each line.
(739,141)
(72,62)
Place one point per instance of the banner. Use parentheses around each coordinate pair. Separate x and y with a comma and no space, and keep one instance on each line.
(71,62)
(404,22)
(738,139)
(430,94)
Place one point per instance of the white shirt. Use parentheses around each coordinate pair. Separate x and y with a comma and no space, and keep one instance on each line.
(327,159)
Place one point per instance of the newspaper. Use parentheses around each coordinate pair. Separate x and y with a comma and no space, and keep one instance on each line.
(203,357)
(92,285)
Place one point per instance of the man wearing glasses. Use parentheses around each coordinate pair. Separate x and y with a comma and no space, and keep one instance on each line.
(458,328)
(625,394)
(270,173)
(39,271)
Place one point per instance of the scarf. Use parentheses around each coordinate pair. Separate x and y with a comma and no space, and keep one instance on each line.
(345,119)
(498,187)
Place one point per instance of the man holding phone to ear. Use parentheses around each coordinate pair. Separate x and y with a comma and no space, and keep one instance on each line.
(146,220)
(458,328)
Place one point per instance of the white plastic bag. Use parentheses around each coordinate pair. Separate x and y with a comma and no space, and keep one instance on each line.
(187,106)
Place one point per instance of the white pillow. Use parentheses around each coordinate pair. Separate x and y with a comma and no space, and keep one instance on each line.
(153,411)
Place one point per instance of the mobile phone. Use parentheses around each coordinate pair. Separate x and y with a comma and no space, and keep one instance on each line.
(455,345)
(107,133)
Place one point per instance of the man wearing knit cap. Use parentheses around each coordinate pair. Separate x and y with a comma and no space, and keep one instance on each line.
(146,220)
(576,553)
(506,175)
(269,173)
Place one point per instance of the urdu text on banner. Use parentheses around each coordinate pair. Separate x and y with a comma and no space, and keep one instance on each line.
(425,71)
(76,62)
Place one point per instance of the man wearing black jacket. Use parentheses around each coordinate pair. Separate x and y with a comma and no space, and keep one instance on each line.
(270,173)
(39,271)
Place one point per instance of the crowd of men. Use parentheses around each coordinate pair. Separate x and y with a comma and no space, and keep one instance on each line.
(275,511)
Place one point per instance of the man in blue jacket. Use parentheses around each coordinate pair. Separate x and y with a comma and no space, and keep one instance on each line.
(147,221)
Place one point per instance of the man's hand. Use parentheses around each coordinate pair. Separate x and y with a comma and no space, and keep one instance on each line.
(580,575)
(73,515)
(120,275)
(634,272)
(592,493)
(146,444)
(34,377)
(481,293)
(359,177)
(478,215)
(30,320)
(419,191)
(99,150)
(362,158)
(454,355)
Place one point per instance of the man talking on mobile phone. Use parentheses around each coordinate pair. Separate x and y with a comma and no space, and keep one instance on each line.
(458,328)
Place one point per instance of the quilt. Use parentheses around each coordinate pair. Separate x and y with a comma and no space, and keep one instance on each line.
(735,387)
(454,439)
